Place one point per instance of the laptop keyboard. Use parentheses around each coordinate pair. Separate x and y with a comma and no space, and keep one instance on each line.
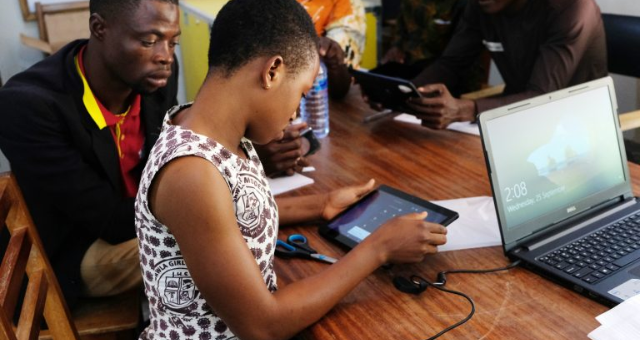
(600,254)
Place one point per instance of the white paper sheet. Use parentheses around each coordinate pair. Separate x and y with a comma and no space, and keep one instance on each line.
(476,227)
(619,323)
(464,127)
(287,183)
(407,118)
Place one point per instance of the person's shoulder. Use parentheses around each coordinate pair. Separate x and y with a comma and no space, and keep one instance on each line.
(47,78)
(567,14)
(26,92)
(572,6)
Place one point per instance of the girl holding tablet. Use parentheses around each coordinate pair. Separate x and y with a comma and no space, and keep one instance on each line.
(205,217)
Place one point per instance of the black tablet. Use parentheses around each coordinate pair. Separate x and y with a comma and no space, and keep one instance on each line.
(364,217)
(392,93)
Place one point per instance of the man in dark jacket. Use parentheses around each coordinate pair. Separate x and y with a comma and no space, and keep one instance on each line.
(77,128)
(538,46)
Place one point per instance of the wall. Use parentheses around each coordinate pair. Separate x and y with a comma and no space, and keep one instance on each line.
(14,57)
(624,7)
(4,163)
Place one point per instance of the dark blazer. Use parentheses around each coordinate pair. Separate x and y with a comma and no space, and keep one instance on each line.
(67,168)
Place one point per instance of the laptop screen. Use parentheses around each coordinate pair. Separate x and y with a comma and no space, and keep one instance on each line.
(553,157)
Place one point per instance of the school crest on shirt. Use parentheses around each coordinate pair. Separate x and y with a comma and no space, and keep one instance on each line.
(177,290)
(250,200)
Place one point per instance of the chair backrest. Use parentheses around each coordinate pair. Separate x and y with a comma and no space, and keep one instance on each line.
(25,256)
(61,23)
(623,44)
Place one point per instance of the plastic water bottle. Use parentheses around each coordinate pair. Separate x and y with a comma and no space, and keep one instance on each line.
(314,108)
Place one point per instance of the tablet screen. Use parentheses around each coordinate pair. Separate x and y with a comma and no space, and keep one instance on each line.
(363,218)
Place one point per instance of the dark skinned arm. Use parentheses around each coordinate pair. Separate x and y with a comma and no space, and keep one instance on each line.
(333,57)
(228,276)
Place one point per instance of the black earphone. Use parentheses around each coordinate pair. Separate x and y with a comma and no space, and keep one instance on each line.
(416,284)
(410,287)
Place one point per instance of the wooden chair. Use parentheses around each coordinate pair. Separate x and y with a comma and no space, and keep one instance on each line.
(59,24)
(106,318)
(110,318)
(25,255)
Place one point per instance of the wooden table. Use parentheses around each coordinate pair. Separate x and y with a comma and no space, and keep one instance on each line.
(433,165)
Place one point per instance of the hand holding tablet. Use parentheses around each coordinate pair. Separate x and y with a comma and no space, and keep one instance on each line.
(391,93)
(360,220)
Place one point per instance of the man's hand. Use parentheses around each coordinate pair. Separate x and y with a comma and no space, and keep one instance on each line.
(374,105)
(333,57)
(394,54)
(438,108)
(330,52)
(284,156)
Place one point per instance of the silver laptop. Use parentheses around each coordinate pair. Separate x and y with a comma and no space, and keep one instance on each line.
(562,189)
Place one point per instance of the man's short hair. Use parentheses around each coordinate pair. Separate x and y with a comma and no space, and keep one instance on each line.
(248,29)
(112,8)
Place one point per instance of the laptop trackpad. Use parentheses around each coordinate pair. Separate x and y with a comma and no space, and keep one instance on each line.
(635,271)
(629,288)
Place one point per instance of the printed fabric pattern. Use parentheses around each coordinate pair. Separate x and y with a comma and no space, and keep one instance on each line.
(343,21)
(178,310)
(423,31)
(425,27)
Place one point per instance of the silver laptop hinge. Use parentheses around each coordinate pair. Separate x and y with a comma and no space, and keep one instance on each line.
(550,239)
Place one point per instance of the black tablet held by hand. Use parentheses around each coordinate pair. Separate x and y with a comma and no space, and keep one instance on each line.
(392,93)
(361,219)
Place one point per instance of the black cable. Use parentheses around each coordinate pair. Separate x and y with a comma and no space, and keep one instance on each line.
(459,323)
(442,276)
(442,280)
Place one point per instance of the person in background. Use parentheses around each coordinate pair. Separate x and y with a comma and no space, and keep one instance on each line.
(538,46)
(341,26)
(286,155)
(77,129)
(422,31)
(206,220)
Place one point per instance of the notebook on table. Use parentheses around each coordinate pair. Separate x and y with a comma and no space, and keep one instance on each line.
(562,189)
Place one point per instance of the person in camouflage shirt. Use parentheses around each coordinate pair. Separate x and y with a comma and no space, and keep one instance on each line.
(423,30)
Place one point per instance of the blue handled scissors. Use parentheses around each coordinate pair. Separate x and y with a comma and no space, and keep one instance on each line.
(298,246)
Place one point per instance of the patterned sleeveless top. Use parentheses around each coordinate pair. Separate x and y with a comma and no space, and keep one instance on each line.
(178,310)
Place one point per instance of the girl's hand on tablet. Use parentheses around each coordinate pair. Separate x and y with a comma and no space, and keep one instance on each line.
(407,239)
(338,200)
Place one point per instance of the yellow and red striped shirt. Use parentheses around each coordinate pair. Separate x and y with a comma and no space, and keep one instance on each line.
(126,129)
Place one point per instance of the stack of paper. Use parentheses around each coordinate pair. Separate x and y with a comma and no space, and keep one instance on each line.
(621,322)
(287,183)
(464,127)
(476,227)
